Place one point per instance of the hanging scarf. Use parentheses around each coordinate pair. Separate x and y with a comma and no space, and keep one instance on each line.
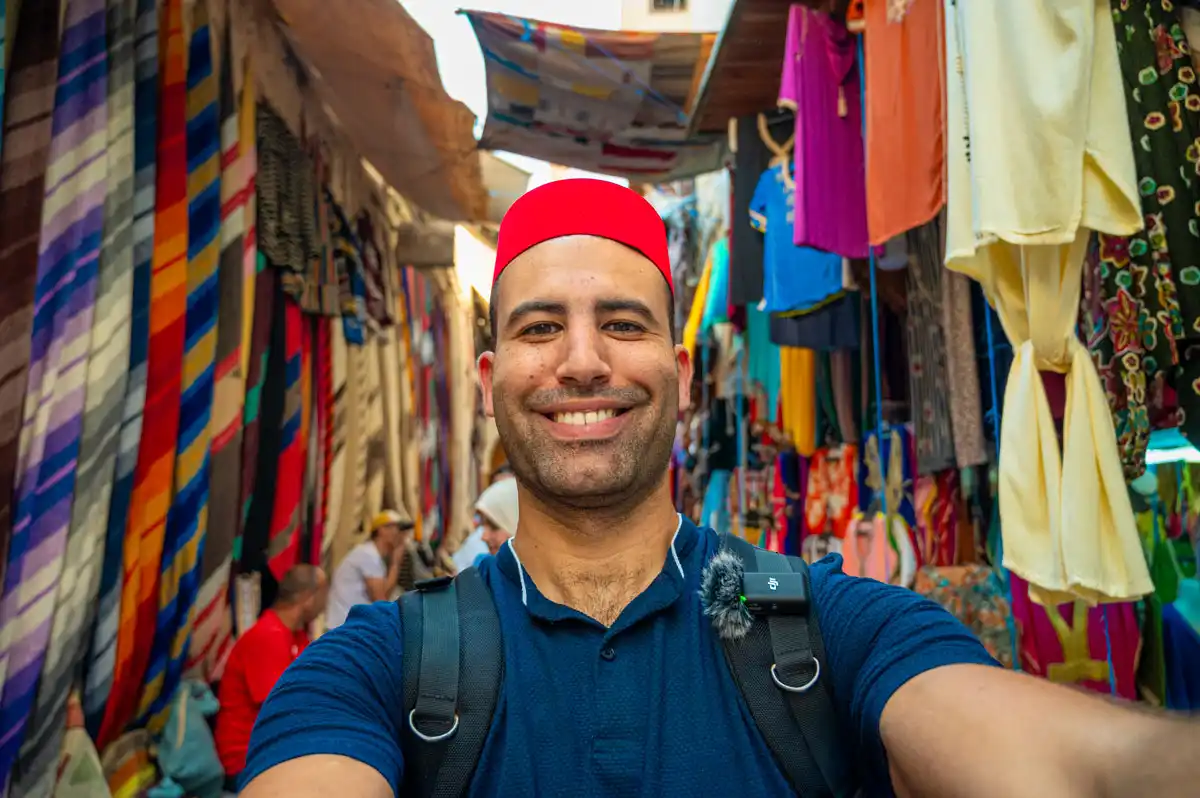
(102,655)
(212,632)
(26,132)
(107,372)
(143,548)
(69,249)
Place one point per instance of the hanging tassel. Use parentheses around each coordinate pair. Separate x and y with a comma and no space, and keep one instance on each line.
(843,109)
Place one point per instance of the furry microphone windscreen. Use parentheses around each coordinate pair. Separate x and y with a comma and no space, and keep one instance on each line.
(721,596)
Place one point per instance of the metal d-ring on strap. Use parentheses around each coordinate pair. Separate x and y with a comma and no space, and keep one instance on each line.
(437,738)
(804,688)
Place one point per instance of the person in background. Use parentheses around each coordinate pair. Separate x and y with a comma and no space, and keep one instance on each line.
(371,570)
(260,657)
(498,514)
(474,546)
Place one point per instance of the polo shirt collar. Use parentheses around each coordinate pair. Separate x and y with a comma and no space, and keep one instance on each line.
(664,591)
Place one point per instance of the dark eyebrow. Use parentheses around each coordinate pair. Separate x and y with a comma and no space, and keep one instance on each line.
(533,306)
(628,306)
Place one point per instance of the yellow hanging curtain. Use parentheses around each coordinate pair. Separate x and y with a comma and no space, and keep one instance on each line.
(1033,168)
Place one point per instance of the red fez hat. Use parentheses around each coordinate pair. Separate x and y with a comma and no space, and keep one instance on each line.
(583,207)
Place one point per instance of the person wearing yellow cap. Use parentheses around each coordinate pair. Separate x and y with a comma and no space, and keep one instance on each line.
(372,568)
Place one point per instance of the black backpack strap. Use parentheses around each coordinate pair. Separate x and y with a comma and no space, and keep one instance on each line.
(778,668)
(448,700)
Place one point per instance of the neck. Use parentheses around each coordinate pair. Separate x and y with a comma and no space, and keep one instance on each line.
(595,561)
(291,616)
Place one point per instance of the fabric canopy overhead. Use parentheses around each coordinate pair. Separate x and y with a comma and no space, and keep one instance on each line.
(374,67)
(612,102)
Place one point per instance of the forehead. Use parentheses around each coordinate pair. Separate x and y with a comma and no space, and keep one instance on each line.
(580,267)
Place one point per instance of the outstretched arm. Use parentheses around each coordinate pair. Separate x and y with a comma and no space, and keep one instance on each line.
(969,730)
(319,776)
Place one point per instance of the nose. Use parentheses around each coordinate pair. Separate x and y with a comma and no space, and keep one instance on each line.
(585,362)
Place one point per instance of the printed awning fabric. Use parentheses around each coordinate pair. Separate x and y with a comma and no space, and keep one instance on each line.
(613,102)
(375,68)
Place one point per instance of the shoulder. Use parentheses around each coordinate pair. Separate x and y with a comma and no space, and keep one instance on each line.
(878,637)
(342,696)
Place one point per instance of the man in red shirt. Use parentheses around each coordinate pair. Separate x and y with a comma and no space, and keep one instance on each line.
(260,657)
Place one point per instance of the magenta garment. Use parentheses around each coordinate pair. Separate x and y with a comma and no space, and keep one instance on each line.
(1041,651)
(821,82)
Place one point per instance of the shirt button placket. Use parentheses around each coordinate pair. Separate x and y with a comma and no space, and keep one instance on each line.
(608,654)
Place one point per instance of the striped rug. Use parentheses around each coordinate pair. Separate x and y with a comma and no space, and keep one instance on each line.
(143,548)
(338,421)
(187,521)
(283,544)
(323,424)
(107,369)
(212,634)
(32,77)
(68,254)
(100,657)
(251,543)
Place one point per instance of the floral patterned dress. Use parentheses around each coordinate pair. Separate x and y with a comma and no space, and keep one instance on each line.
(1146,335)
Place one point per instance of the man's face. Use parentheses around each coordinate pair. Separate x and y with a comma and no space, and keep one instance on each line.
(585,383)
(388,538)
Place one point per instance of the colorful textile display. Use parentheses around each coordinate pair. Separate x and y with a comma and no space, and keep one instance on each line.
(104,389)
(212,636)
(1069,643)
(1024,241)
(187,520)
(102,654)
(68,254)
(153,479)
(32,78)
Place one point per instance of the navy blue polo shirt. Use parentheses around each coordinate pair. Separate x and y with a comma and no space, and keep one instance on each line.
(646,707)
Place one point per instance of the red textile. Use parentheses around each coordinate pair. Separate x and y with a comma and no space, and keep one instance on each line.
(258,659)
(583,206)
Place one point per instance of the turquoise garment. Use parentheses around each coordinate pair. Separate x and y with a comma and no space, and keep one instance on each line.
(715,513)
(763,358)
(716,304)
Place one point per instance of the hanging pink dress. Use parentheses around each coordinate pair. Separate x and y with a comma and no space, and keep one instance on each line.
(1067,646)
(821,83)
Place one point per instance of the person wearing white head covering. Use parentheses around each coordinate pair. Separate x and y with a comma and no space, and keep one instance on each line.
(497,512)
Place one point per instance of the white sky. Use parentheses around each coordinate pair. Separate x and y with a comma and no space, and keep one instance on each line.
(460,61)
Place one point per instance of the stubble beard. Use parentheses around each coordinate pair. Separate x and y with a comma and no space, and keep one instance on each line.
(556,474)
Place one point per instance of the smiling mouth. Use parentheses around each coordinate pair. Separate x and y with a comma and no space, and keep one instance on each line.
(582,419)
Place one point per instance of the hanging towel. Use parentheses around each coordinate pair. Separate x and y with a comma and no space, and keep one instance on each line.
(32,78)
(68,253)
(143,546)
(265,292)
(212,634)
(102,654)
(107,373)
(288,473)
(187,520)
(1067,523)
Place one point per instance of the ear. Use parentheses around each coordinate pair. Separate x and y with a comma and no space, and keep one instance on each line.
(683,368)
(487,367)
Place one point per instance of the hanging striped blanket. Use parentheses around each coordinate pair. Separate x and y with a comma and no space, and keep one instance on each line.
(283,544)
(323,410)
(338,421)
(212,635)
(143,547)
(107,368)
(27,126)
(101,656)
(187,521)
(265,291)
(69,249)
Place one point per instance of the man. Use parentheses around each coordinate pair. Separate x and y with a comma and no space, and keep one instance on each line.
(615,682)
(371,570)
(259,658)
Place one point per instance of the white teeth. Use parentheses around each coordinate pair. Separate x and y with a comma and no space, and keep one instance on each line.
(581,419)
